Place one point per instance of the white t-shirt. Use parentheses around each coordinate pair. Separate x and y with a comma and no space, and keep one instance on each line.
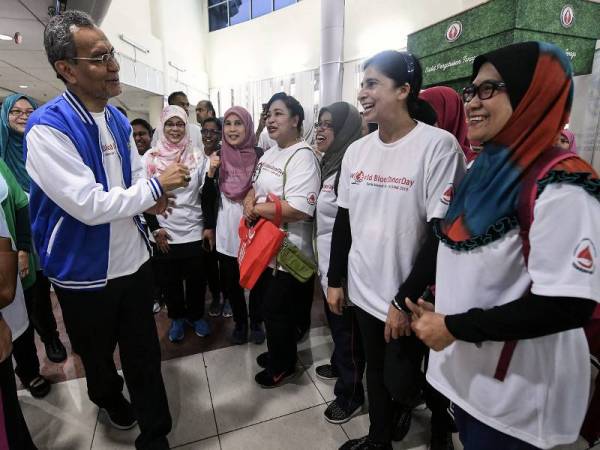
(15,313)
(303,179)
(185,223)
(391,192)
(228,222)
(325,217)
(126,253)
(544,396)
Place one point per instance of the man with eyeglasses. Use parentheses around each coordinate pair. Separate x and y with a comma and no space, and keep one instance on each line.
(88,189)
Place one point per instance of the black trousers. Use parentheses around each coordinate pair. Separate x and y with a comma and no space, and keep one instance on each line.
(183,264)
(230,276)
(121,313)
(382,408)
(39,307)
(17,433)
(348,357)
(210,262)
(282,296)
(27,365)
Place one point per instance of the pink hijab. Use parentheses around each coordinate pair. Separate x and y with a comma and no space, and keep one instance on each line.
(166,153)
(571,138)
(450,113)
(237,163)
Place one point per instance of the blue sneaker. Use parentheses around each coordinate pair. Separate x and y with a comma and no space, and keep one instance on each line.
(176,331)
(227,313)
(201,327)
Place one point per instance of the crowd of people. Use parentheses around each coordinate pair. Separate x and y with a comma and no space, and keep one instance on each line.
(414,218)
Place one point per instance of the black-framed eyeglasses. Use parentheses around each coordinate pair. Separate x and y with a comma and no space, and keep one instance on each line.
(485,90)
(207,132)
(324,125)
(20,112)
(102,59)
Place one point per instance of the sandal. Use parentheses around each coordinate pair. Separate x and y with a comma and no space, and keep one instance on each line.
(39,387)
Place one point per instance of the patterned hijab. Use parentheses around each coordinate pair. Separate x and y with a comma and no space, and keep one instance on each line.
(539,82)
(166,153)
(450,113)
(11,142)
(237,162)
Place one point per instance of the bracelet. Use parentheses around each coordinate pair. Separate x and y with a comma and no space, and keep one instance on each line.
(396,305)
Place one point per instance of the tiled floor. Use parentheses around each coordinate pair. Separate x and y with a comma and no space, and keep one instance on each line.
(216,405)
(213,399)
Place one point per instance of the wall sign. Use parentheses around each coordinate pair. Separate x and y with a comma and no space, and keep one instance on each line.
(454,31)
(567,16)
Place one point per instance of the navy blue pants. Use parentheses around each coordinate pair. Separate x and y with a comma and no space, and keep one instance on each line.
(476,435)
(348,359)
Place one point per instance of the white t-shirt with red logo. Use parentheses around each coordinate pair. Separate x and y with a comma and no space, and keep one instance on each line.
(303,180)
(326,212)
(127,249)
(544,396)
(391,192)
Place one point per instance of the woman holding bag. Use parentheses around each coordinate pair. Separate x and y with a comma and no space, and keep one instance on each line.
(291,171)
(228,180)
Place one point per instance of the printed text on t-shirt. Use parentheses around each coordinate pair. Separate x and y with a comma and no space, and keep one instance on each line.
(382,181)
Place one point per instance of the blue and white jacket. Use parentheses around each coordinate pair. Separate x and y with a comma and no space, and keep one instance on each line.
(71,216)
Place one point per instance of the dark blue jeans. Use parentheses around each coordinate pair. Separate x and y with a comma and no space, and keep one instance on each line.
(476,435)
(348,359)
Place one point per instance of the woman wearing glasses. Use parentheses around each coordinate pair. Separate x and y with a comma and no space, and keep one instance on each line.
(179,236)
(339,125)
(495,284)
(16,109)
(393,184)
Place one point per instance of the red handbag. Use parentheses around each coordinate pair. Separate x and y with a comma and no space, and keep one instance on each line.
(259,244)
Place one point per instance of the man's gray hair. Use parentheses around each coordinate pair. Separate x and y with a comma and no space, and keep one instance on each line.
(58,35)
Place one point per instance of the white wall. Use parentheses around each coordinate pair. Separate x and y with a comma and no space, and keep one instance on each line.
(174,31)
(279,43)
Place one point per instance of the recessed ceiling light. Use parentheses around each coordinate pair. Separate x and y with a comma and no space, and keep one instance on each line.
(4,37)
(23,86)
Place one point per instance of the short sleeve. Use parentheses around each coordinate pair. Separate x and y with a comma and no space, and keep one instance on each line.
(343,190)
(4,231)
(444,174)
(564,238)
(303,181)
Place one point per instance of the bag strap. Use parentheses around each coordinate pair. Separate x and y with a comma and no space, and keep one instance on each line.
(285,168)
(278,214)
(526,203)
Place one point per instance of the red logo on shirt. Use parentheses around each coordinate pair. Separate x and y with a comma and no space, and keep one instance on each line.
(448,194)
(358,177)
(584,256)
(311,198)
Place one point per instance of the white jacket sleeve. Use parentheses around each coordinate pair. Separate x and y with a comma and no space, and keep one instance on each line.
(55,165)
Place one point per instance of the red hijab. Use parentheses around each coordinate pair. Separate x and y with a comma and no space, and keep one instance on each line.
(450,113)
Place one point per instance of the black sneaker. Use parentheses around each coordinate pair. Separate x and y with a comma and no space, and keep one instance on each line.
(121,415)
(263,360)
(257,333)
(240,334)
(268,380)
(364,443)
(39,387)
(55,350)
(338,415)
(326,372)
(441,441)
(403,418)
